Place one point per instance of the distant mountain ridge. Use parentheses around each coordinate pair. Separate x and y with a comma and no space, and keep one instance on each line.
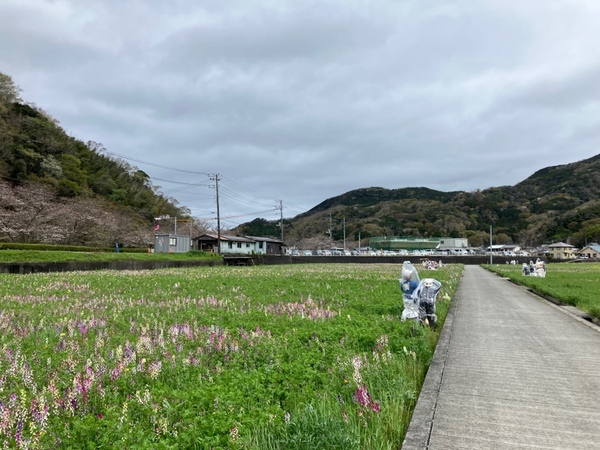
(558,203)
(373,195)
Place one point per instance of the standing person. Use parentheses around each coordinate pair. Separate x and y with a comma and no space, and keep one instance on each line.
(426,294)
(540,268)
(408,284)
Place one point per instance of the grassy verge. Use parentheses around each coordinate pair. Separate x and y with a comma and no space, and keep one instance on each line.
(269,357)
(10,256)
(572,284)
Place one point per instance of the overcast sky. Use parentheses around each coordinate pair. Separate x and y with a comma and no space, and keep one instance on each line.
(303,100)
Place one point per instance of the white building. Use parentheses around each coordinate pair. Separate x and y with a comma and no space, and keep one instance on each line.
(239,245)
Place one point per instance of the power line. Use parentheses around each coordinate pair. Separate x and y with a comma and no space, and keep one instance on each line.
(151,164)
(244,188)
(178,182)
(240,197)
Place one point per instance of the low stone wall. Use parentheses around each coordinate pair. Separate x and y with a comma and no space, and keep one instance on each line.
(34,267)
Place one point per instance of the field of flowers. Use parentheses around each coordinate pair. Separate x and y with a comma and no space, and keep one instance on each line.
(572,284)
(270,357)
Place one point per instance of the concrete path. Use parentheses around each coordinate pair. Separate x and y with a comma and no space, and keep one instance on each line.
(511,371)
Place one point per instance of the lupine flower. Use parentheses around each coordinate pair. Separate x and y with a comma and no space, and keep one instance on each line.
(364,399)
(357,364)
(154,369)
(233,433)
(123,417)
(344,415)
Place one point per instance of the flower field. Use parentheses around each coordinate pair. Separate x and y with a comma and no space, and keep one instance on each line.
(269,357)
(573,284)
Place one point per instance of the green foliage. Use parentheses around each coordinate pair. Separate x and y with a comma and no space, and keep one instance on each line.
(260,227)
(68,188)
(46,247)
(10,252)
(307,356)
(9,91)
(571,283)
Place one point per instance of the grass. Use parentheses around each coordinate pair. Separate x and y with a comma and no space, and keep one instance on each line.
(573,284)
(16,256)
(267,357)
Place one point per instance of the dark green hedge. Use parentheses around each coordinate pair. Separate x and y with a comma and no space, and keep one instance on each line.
(66,248)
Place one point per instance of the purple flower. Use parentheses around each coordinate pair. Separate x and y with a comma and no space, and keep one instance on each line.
(364,399)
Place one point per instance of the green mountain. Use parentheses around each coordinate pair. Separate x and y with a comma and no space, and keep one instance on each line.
(554,204)
(57,189)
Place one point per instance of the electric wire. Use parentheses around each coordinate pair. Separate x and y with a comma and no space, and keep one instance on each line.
(237,193)
(129,158)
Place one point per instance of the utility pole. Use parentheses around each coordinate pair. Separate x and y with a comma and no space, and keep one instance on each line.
(344,233)
(215,178)
(281,218)
(330,233)
(491,257)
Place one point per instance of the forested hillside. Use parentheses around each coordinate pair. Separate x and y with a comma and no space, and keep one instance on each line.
(57,189)
(559,203)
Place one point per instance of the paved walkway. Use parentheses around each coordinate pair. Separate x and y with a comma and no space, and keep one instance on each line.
(511,371)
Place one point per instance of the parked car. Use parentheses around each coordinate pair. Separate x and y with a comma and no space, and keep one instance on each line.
(307,252)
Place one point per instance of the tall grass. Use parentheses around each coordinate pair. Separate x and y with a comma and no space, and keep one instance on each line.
(303,356)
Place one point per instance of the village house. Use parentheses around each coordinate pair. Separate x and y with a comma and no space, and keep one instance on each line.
(591,251)
(560,250)
(268,246)
(239,245)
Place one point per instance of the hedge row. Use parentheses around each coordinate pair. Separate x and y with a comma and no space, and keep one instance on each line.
(66,248)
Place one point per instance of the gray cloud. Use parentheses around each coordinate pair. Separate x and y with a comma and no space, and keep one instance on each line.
(302,101)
